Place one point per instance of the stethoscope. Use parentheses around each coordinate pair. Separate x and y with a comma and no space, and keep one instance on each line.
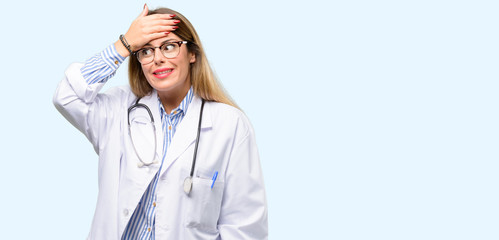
(188,180)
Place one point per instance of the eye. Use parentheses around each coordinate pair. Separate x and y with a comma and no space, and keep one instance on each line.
(168,47)
(146,52)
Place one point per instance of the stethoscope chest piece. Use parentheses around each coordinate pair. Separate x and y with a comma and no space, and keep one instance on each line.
(187,185)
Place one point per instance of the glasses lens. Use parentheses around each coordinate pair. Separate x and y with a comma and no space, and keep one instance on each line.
(145,55)
(170,50)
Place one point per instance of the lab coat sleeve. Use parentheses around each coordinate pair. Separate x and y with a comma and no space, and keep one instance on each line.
(244,207)
(82,105)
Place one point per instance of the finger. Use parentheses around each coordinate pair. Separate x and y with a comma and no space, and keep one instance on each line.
(162,16)
(158,26)
(145,11)
(160,29)
(165,29)
(166,22)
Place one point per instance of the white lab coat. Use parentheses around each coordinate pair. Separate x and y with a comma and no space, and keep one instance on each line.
(235,208)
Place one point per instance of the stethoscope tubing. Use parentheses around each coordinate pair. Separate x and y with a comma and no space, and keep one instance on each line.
(136,105)
(188,180)
(197,139)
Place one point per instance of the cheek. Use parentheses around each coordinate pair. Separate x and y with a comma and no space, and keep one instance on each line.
(145,71)
(185,65)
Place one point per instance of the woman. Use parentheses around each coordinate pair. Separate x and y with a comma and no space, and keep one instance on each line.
(182,162)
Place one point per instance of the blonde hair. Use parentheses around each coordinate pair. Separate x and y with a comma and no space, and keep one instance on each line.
(203,80)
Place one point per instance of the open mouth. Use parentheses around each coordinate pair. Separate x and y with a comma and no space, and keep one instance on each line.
(160,71)
(163,72)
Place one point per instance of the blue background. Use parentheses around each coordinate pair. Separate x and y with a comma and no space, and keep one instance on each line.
(374,119)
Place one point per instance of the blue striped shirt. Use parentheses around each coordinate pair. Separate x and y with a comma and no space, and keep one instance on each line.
(99,69)
(141,224)
(102,66)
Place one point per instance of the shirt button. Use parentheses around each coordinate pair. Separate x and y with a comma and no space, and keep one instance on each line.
(175,112)
(125,212)
(148,229)
(170,127)
(154,204)
(116,62)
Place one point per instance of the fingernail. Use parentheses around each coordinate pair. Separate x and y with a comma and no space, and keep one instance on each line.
(174,27)
(166,33)
(176,21)
(173,15)
(145,4)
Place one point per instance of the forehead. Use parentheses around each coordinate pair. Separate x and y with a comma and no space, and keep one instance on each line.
(159,41)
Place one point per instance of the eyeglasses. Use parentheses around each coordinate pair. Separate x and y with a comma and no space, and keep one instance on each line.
(168,49)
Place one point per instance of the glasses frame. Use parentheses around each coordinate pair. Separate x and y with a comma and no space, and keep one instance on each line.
(154,48)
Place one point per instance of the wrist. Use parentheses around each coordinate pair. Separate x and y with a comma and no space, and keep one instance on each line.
(125,43)
(122,50)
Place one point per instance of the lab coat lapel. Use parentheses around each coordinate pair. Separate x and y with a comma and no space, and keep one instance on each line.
(152,102)
(186,132)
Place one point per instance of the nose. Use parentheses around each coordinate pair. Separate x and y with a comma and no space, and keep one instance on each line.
(158,56)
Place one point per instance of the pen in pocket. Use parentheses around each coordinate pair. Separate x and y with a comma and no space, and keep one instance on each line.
(214,178)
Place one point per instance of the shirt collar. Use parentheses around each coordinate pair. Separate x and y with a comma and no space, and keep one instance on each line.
(181,109)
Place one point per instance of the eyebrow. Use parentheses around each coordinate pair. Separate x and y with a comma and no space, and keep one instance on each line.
(167,40)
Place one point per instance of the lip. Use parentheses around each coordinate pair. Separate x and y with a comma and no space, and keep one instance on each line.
(165,74)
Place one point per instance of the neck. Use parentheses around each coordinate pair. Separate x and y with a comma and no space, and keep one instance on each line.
(171,100)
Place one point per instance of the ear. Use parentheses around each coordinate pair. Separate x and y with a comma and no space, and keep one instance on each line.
(193,58)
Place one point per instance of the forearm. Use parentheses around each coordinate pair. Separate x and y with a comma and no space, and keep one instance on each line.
(102,66)
(73,97)
(77,93)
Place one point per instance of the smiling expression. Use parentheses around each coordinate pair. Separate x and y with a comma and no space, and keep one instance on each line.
(169,75)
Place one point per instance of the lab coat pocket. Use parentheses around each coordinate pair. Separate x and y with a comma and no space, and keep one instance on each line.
(204,202)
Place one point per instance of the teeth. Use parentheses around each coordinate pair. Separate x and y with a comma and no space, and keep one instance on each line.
(167,71)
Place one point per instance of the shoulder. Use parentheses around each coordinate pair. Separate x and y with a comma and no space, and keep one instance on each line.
(229,117)
(225,111)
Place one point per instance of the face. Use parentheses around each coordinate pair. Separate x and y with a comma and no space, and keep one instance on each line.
(169,75)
